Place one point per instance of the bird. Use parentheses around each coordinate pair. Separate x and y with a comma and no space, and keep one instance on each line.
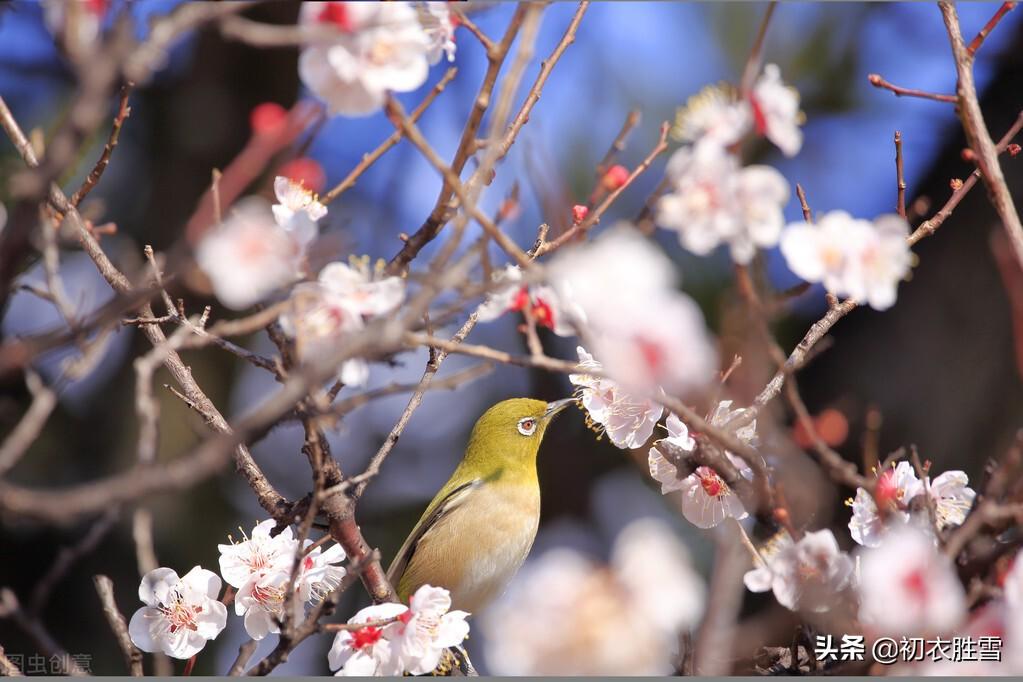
(477,531)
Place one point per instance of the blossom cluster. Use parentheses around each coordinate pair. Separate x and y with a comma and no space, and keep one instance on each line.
(378,48)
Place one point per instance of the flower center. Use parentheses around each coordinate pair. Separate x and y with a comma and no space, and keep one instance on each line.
(759,118)
(382,52)
(367,636)
(915,584)
(711,482)
(180,615)
(543,314)
(652,353)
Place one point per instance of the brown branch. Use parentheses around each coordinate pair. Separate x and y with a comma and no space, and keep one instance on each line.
(807,215)
(428,231)
(67,557)
(978,40)
(123,111)
(618,145)
(132,656)
(749,73)
(878,82)
(470,25)
(245,652)
(395,137)
(34,628)
(929,227)
(900,201)
(21,437)
(401,120)
(594,216)
(977,133)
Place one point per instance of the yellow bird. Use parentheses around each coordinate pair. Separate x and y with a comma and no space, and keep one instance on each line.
(479,528)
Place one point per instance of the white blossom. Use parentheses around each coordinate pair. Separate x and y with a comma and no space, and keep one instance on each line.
(322,313)
(715,115)
(249,256)
(259,554)
(895,488)
(293,198)
(320,572)
(85,17)
(908,587)
(662,343)
(180,614)
(380,47)
(261,601)
(543,302)
(628,420)
(776,111)
(431,628)
(412,643)
(805,575)
(366,652)
(707,499)
(439,24)
(564,614)
(851,257)
(713,201)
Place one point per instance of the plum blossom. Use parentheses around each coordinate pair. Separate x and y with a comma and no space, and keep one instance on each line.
(260,568)
(565,614)
(805,575)
(776,112)
(294,198)
(542,302)
(180,614)
(715,115)
(439,24)
(337,304)
(259,554)
(908,587)
(895,489)
(851,257)
(706,499)
(713,201)
(249,255)
(83,18)
(413,642)
(663,343)
(367,652)
(379,47)
(627,419)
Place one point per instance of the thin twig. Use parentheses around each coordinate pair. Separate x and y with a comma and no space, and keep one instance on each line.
(900,201)
(132,656)
(67,557)
(878,82)
(123,111)
(978,40)
(21,437)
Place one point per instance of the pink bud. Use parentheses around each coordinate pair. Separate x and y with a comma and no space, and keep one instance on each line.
(267,118)
(579,213)
(306,171)
(615,177)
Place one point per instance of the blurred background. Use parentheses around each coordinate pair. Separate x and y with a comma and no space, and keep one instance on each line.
(942,368)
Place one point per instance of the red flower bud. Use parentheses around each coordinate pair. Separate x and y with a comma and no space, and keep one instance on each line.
(305,170)
(267,118)
(579,213)
(615,177)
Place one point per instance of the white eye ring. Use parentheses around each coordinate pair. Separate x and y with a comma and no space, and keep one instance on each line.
(527,426)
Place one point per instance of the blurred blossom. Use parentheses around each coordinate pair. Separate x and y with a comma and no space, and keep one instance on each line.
(180,614)
(439,24)
(413,643)
(714,115)
(717,115)
(713,201)
(776,111)
(3,217)
(323,312)
(852,257)
(294,198)
(546,307)
(1013,614)
(380,47)
(249,255)
(641,328)
(907,586)
(896,487)
(706,499)
(566,615)
(805,576)
(627,419)
(83,17)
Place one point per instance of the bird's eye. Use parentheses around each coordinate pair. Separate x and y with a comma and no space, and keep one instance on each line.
(527,426)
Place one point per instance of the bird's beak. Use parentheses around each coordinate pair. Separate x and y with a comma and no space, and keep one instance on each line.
(557,406)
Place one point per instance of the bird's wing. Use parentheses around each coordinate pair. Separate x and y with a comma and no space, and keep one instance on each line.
(433,514)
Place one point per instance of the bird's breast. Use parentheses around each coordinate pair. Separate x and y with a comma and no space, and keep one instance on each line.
(490,535)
